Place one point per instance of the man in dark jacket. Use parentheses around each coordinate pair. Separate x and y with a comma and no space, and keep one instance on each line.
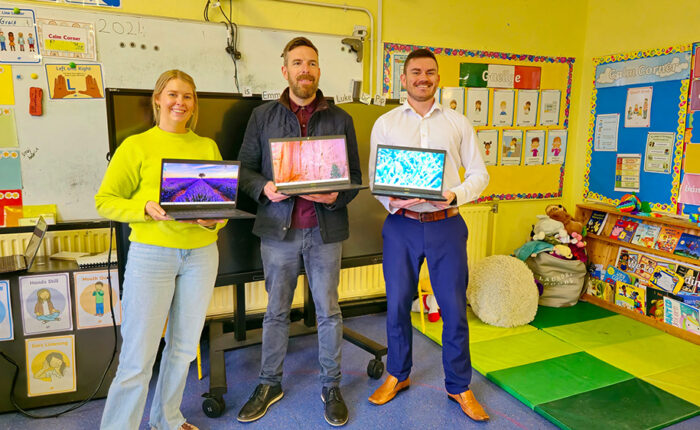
(309,228)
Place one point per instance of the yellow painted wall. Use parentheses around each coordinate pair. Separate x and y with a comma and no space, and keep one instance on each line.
(542,27)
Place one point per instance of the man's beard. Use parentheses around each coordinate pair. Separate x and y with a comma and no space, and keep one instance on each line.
(303,92)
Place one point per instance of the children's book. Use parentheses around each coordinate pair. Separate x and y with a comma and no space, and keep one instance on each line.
(668,239)
(666,279)
(596,271)
(627,260)
(618,228)
(688,246)
(631,297)
(596,223)
(646,235)
(655,302)
(613,275)
(645,267)
(628,230)
(681,315)
(690,277)
(601,289)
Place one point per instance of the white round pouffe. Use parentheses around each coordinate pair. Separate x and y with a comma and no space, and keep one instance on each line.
(502,291)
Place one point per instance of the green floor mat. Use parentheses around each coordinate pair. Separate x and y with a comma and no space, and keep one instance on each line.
(632,404)
(557,378)
(649,355)
(683,382)
(432,330)
(511,351)
(602,331)
(581,311)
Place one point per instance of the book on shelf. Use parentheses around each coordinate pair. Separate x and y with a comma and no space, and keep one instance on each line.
(68,255)
(681,315)
(613,275)
(645,235)
(96,260)
(596,222)
(668,239)
(688,246)
(666,279)
(691,278)
(601,289)
(624,229)
(631,297)
(655,302)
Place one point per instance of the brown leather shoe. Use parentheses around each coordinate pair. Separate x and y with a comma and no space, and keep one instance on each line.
(469,405)
(389,389)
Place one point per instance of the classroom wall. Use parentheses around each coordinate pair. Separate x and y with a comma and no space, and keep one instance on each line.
(612,28)
(542,27)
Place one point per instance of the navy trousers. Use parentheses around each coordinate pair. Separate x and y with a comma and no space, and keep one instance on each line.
(407,243)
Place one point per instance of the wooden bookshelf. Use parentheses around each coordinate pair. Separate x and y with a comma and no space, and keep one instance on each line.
(603,250)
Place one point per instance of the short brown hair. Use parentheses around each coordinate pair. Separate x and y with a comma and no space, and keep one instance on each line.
(162,81)
(418,53)
(295,43)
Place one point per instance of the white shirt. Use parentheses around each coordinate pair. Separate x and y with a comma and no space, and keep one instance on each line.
(438,129)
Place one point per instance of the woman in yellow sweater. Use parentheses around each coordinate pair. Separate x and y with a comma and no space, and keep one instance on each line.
(171,265)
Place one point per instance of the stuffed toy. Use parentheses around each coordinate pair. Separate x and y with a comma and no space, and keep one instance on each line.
(562,251)
(547,227)
(531,249)
(559,213)
(430,305)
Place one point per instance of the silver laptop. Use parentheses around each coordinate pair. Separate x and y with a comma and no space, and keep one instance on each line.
(311,165)
(409,173)
(18,262)
(200,189)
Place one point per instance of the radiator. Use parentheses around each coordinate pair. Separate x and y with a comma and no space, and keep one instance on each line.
(92,241)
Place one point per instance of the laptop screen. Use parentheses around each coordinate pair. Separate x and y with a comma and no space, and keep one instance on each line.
(414,168)
(185,182)
(35,241)
(309,160)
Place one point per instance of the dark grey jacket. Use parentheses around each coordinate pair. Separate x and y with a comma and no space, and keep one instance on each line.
(275,120)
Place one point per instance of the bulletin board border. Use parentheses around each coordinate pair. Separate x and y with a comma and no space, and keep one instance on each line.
(680,130)
(393,48)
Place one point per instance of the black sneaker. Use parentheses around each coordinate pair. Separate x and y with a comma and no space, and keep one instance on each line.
(335,411)
(259,402)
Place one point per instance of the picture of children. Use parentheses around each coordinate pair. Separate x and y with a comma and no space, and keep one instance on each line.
(534,146)
(2,42)
(44,309)
(99,295)
(526,107)
(556,146)
(488,138)
(638,106)
(52,368)
(487,148)
(20,41)
(533,154)
(477,104)
(453,104)
(503,106)
(30,42)
(512,148)
(11,39)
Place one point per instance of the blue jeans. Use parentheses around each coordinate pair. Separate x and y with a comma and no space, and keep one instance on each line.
(159,283)
(282,262)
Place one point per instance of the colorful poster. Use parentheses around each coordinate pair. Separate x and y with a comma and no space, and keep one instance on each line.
(696,65)
(8,130)
(45,301)
(397,62)
(10,172)
(488,144)
(51,365)
(92,297)
(453,98)
(627,171)
(18,37)
(638,107)
(534,147)
(669,67)
(8,199)
(478,106)
(480,75)
(690,189)
(84,81)
(67,39)
(556,146)
(97,3)
(511,147)
(527,108)
(606,132)
(503,107)
(549,107)
(659,152)
(7,88)
(6,328)
(695,95)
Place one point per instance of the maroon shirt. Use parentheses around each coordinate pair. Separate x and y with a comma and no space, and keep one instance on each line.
(304,213)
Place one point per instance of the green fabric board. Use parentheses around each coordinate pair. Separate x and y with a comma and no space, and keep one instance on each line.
(649,355)
(683,382)
(581,311)
(602,331)
(632,404)
(517,350)
(557,378)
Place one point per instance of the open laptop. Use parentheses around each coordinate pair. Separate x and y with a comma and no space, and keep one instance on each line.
(409,172)
(310,165)
(17,262)
(200,189)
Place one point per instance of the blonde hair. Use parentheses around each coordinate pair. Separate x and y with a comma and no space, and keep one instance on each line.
(162,81)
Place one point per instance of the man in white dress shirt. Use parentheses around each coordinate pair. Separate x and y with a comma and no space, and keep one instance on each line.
(417,229)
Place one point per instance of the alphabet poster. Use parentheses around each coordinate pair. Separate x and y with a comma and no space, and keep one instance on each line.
(50,365)
(478,106)
(556,146)
(488,144)
(45,301)
(6,329)
(503,107)
(527,107)
(92,299)
(511,147)
(534,147)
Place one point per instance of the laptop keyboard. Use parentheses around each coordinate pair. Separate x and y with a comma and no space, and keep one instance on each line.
(202,214)
(12,262)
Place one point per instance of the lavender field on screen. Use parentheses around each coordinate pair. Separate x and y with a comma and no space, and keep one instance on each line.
(180,190)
